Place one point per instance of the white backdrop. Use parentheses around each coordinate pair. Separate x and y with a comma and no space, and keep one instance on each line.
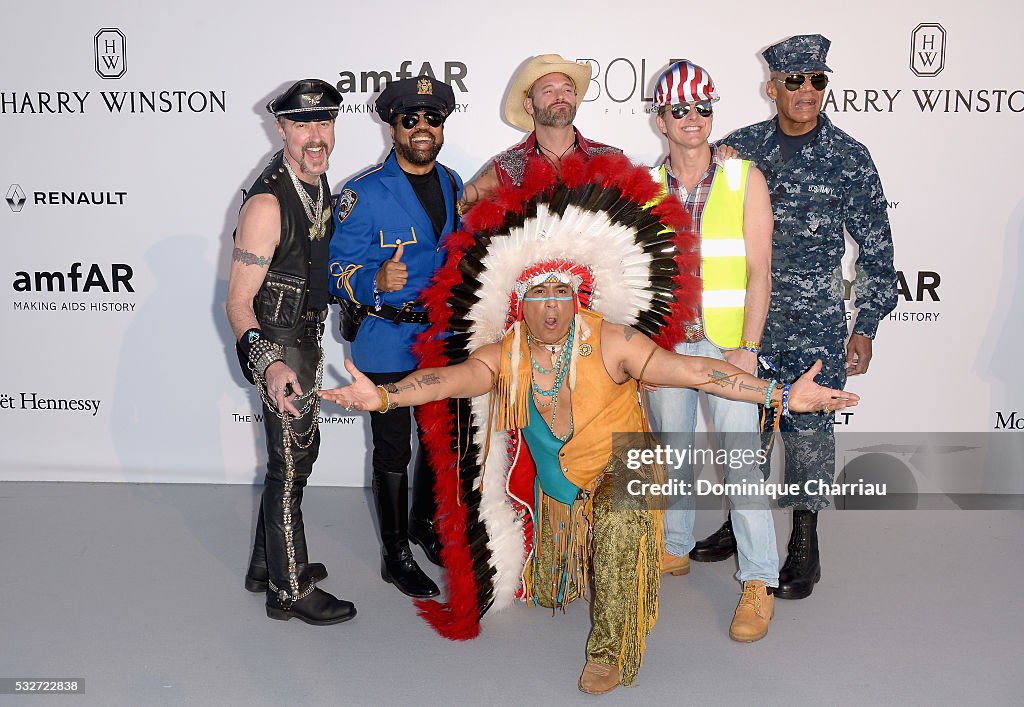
(128,132)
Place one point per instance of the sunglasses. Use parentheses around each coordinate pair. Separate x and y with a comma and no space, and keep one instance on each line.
(793,82)
(681,110)
(411,120)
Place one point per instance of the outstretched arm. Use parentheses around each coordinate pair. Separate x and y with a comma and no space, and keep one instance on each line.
(472,377)
(636,355)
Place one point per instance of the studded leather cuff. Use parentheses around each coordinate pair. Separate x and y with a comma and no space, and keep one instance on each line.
(259,352)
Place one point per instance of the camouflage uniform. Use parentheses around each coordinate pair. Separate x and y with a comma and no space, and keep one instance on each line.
(829,184)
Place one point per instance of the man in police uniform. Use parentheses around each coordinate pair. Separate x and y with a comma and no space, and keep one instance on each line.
(821,181)
(728,202)
(543,99)
(388,241)
(276,304)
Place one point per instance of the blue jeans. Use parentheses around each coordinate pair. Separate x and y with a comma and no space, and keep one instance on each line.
(675,410)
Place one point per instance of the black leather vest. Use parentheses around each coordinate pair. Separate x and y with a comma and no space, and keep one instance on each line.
(280,305)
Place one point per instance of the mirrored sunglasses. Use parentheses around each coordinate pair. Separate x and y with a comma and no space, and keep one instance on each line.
(681,110)
(411,120)
(793,82)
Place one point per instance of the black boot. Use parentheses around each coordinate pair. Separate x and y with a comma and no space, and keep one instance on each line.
(802,568)
(720,545)
(257,575)
(317,607)
(424,508)
(391,497)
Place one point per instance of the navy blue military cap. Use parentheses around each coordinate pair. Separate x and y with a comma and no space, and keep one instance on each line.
(307,100)
(804,53)
(420,92)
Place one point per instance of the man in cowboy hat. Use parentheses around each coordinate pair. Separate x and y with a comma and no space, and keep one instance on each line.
(540,472)
(727,200)
(823,182)
(543,99)
(276,304)
(391,221)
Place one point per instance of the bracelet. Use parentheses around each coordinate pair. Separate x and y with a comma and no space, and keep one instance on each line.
(785,399)
(386,404)
(752,349)
(768,396)
(376,296)
(259,353)
(749,345)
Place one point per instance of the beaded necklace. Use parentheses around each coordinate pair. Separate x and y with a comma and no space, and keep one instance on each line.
(560,367)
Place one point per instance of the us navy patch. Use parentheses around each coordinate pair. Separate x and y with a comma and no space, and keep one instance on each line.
(346,202)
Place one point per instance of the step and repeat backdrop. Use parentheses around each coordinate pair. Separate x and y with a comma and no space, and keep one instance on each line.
(129,132)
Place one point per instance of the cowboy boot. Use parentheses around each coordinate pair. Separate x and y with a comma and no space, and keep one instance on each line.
(720,545)
(802,568)
(315,606)
(397,565)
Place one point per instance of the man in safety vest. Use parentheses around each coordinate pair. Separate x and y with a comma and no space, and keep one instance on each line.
(728,202)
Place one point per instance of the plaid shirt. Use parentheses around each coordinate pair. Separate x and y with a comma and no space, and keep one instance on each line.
(694,200)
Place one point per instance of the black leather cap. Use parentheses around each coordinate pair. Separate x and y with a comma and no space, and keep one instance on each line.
(308,99)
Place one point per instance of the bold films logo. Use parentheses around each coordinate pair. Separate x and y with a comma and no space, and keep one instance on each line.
(110,62)
(618,84)
(370,82)
(928,42)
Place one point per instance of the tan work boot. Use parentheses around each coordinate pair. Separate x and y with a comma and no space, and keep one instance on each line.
(598,678)
(675,565)
(755,610)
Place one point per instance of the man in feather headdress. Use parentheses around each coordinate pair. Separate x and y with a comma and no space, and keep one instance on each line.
(549,301)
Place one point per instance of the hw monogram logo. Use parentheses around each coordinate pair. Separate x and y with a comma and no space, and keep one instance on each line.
(928,49)
(109,51)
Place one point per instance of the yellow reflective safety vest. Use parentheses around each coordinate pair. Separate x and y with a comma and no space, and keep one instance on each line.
(722,252)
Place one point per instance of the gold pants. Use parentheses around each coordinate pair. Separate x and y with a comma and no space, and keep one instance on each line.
(614,537)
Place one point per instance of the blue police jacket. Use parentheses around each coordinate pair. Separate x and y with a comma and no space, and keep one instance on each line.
(376,211)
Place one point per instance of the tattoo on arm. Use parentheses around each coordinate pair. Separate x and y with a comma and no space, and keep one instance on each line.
(400,388)
(390,387)
(722,380)
(428,379)
(246,258)
(756,388)
(629,332)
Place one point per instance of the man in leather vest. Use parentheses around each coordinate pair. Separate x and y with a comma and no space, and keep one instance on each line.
(276,304)
(391,222)
(728,202)
(543,99)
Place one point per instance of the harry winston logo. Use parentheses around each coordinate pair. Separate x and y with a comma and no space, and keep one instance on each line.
(928,49)
(109,53)
(15,198)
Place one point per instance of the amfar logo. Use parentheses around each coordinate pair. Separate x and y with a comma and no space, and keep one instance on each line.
(928,49)
(15,198)
(109,52)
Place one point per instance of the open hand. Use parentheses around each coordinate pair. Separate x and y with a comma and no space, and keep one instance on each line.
(807,396)
(362,394)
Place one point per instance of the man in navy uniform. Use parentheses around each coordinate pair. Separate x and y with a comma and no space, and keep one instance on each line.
(391,222)
(822,182)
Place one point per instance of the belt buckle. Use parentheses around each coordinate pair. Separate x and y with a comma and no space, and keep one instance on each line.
(406,308)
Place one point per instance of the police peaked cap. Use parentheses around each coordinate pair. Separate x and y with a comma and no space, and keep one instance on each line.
(420,92)
(308,99)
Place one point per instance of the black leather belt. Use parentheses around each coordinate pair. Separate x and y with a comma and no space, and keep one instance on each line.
(314,320)
(404,315)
